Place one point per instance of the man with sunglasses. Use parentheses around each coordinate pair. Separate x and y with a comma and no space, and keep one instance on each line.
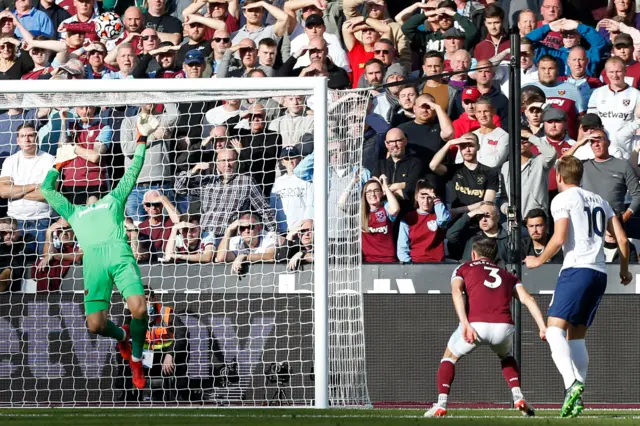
(157,225)
(612,178)
(447,15)
(314,27)
(246,241)
(219,45)
(320,63)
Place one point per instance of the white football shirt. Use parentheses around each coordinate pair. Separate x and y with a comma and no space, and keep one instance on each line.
(588,216)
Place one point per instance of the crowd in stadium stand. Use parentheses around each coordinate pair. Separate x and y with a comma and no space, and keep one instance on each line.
(232,181)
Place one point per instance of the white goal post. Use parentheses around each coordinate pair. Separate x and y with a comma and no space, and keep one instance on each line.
(338,378)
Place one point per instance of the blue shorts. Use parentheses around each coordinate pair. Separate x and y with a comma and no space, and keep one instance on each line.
(578,295)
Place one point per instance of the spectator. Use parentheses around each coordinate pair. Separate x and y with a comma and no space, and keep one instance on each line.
(41,60)
(219,44)
(561,95)
(468,122)
(223,10)
(615,104)
(484,77)
(139,243)
(219,115)
(230,67)
(34,20)
(91,136)
(10,121)
(433,66)
(61,250)
(533,113)
(608,176)
(386,104)
(572,32)
(623,48)
(12,258)
(537,224)
(432,23)
(361,51)
(150,40)
(379,209)
(471,181)
(159,63)
(167,27)
(291,198)
(497,39)
(267,53)
(321,64)
(401,168)
(12,65)
(156,172)
(193,67)
(494,142)
(195,30)
(447,15)
(224,194)
(407,99)
(527,22)
(429,130)
(464,232)
(314,27)
(612,250)
(453,41)
(246,241)
(95,69)
(187,244)
(460,64)
(294,123)
(22,173)
(577,62)
(551,11)
(126,60)
(84,13)
(422,231)
(259,149)
(254,11)
(528,68)
(297,248)
(623,9)
(534,171)
(56,14)
(378,10)
(373,74)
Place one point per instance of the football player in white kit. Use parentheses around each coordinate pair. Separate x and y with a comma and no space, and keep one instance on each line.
(581,219)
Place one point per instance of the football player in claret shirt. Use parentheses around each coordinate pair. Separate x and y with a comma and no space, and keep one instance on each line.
(581,219)
(485,319)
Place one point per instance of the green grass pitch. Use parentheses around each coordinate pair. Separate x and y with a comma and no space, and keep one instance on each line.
(273,417)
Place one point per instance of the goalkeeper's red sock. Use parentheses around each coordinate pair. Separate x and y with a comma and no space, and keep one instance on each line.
(138,330)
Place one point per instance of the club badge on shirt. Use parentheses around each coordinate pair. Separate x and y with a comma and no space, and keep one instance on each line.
(381,216)
(432,225)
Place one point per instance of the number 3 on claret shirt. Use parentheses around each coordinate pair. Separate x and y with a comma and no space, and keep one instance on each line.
(596,219)
(493,273)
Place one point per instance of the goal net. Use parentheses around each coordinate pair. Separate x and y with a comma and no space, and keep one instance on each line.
(244,222)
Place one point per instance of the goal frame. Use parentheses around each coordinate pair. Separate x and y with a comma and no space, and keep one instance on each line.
(316,85)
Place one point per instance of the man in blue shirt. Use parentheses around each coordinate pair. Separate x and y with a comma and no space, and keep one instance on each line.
(34,20)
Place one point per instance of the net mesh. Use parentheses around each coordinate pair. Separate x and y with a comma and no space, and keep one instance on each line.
(220,223)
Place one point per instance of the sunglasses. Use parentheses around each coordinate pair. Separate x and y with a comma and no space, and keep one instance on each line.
(304,231)
(93,52)
(148,37)
(243,228)
(257,117)
(156,205)
(440,17)
(36,51)
(381,52)
(7,46)
(315,51)
(221,39)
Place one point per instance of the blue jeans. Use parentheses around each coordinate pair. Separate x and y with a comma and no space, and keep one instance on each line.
(36,229)
(135,208)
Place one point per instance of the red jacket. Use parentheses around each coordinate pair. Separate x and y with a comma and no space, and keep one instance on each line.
(486,49)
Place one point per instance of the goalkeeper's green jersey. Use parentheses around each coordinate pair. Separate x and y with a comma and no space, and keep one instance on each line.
(102,222)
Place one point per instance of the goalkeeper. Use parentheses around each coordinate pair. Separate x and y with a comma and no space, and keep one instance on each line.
(108,258)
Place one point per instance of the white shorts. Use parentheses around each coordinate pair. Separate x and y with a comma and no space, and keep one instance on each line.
(498,336)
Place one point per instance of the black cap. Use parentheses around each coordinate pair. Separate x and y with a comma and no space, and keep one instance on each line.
(289,151)
(552,113)
(453,33)
(623,39)
(592,121)
(314,20)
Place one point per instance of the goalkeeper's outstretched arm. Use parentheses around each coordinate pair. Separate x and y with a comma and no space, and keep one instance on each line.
(55,199)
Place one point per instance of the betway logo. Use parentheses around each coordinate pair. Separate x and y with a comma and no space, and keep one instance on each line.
(619,115)
(383,286)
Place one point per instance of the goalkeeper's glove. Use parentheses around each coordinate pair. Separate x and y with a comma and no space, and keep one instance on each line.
(66,154)
(146,125)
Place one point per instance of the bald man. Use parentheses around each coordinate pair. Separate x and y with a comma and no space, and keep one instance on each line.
(401,167)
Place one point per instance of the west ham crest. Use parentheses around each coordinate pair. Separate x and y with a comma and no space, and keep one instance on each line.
(562,92)
(381,216)
(626,102)
(432,225)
